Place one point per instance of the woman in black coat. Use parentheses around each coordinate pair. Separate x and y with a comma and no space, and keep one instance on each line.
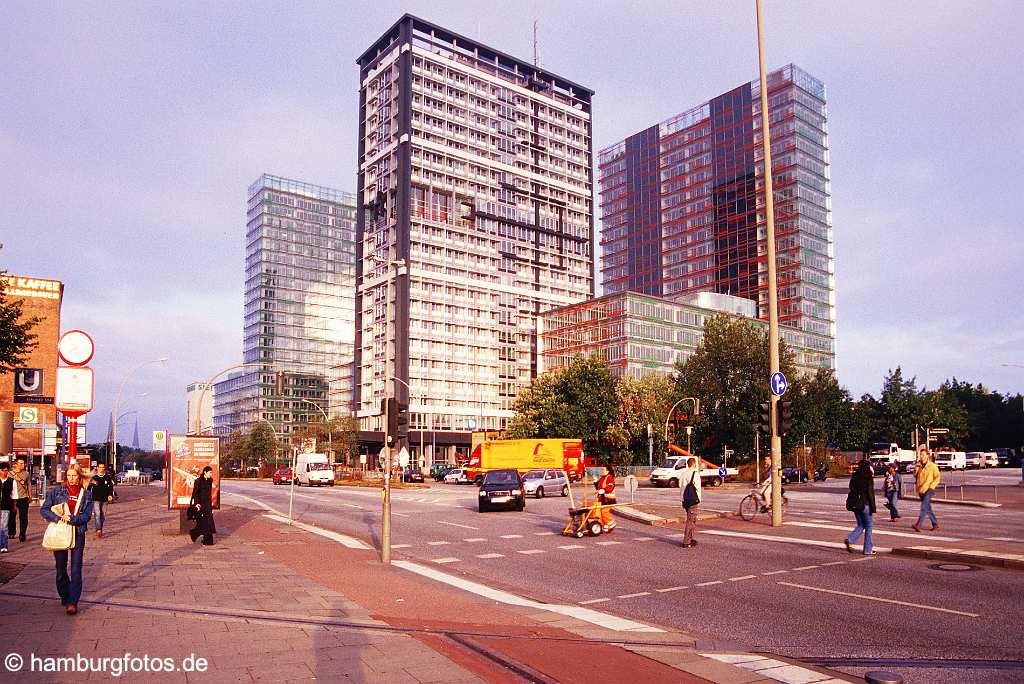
(202,506)
(861,501)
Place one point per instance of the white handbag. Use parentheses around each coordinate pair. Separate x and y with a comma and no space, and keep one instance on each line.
(60,536)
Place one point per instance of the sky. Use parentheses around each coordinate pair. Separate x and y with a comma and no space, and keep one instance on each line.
(130,132)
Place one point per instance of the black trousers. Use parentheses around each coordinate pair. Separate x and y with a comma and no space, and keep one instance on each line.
(22,519)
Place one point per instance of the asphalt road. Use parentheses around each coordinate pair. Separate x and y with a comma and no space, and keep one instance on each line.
(809,602)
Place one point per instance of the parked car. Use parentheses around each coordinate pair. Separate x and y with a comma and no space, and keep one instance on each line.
(438,470)
(991,459)
(790,475)
(412,475)
(456,476)
(543,481)
(974,459)
(951,460)
(502,487)
(281,476)
(1006,456)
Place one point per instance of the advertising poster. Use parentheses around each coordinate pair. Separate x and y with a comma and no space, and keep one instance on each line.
(188,457)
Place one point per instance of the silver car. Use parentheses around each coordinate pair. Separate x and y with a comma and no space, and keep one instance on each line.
(545,481)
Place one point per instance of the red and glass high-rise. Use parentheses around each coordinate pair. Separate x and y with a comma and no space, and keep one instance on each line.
(682,207)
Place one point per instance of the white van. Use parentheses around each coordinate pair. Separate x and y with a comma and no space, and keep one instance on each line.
(313,469)
(951,460)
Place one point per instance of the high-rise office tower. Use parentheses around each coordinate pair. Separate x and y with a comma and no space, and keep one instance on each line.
(475,195)
(683,210)
(299,308)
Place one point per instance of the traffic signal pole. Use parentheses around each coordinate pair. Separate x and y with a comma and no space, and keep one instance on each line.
(773,303)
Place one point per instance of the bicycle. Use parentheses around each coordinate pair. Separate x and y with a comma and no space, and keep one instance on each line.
(754,503)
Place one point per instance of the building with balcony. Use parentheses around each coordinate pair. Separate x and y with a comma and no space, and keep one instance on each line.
(475,215)
(682,207)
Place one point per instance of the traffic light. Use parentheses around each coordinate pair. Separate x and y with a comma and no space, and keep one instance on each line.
(785,417)
(389,407)
(279,383)
(764,421)
(403,421)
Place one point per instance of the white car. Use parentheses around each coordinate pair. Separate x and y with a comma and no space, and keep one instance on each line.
(951,460)
(991,459)
(974,459)
(457,476)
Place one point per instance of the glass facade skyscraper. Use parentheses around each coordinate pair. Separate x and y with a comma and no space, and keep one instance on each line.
(682,207)
(475,173)
(299,308)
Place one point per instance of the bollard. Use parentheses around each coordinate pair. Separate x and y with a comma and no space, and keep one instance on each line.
(882,677)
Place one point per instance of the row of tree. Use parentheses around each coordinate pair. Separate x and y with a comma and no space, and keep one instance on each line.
(728,373)
(339,435)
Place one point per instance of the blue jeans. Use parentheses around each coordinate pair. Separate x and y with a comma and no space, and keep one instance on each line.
(3,528)
(99,515)
(70,586)
(863,525)
(891,498)
(926,509)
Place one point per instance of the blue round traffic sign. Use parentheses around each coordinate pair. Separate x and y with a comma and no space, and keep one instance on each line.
(779,384)
(722,471)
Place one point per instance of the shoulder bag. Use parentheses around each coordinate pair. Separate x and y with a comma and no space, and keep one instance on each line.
(60,536)
(854,500)
(690,497)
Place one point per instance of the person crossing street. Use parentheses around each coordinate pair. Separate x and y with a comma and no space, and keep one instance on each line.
(926,479)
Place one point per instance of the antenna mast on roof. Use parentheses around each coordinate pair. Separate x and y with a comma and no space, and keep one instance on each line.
(536,58)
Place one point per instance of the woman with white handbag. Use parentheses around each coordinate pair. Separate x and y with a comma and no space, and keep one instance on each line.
(68,507)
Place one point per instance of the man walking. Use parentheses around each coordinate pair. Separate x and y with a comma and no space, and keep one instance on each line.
(102,488)
(22,496)
(927,478)
(6,503)
(690,495)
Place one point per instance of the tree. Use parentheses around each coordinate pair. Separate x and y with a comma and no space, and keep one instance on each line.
(574,401)
(340,435)
(729,374)
(16,337)
(262,445)
(641,403)
(825,413)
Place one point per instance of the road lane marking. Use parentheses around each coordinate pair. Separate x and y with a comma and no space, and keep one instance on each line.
(592,616)
(472,540)
(866,558)
(544,534)
(1005,539)
(708,584)
(774,572)
(403,515)
(530,552)
(880,600)
(401,546)
(438,543)
(592,601)
(446,560)
(467,527)
(806,567)
(740,579)
(877,531)
(491,555)
(664,591)
(511,536)
(350,542)
(639,593)
(353,506)
(571,546)
(608,543)
(825,565)
(786,540)
(643,539)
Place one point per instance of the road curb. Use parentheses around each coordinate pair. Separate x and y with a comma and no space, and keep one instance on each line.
(959,502)
(645,518)
(999,560)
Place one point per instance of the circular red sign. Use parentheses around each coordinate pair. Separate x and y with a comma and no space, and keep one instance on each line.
(75,347)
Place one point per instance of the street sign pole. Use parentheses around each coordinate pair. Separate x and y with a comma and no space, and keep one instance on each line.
(773,303)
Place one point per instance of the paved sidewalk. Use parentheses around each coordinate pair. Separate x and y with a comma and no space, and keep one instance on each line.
(271,602)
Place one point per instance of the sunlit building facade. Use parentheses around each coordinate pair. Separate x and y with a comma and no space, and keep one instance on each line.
(299,308)
(475,198)
(682,207)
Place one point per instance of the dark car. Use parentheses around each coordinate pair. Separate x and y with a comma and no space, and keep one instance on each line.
(282,476)
(439,470)
(412,475)
(1006,456)
(791,475)
(502,488)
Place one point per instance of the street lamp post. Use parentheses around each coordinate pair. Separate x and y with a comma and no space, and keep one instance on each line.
(197,429)
(330,432)
(117,402)
(696,412)
(773,307)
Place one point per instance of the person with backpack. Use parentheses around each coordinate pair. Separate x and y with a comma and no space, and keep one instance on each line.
(861,502)
(893,490)
(690,496)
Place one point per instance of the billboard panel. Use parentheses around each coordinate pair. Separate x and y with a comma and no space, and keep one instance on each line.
(188,457)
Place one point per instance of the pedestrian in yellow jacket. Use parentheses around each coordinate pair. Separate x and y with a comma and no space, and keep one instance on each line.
(927,479)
